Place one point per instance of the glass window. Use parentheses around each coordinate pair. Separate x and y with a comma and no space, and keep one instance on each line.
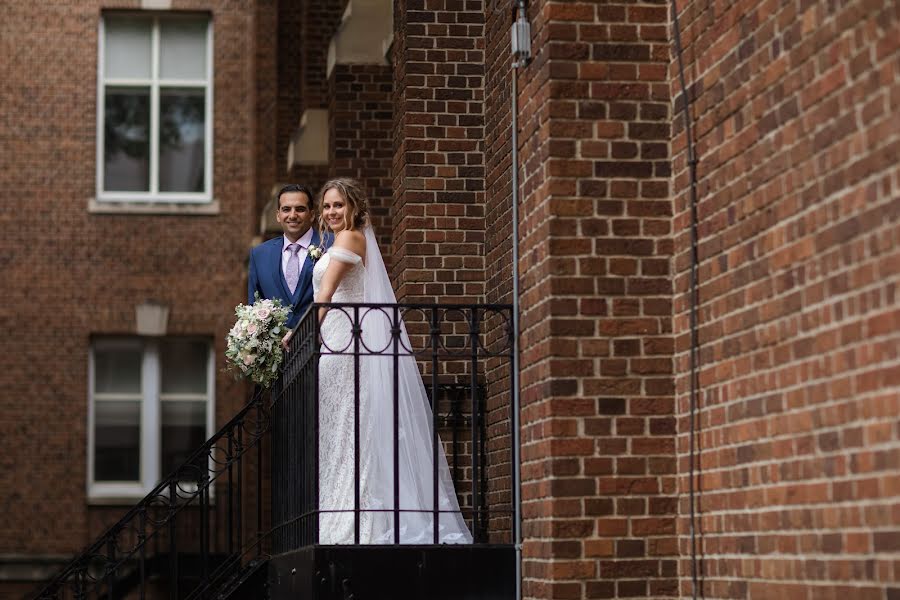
(156,131)
(183,431)
(117,436)
(117,371)
(127,48)
(126,140)
(182,140)
(184,367)
(151,409)
(182,49)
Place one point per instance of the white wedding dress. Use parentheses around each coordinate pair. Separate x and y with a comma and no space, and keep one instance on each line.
(369,283)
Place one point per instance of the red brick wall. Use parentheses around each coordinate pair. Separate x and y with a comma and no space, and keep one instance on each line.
(798,139)
(269,156)
(291,62)
(70,274)
(597,390)
(438,170)
(303,74)
(498,255)
(498,154)
(320,20)
(361,116)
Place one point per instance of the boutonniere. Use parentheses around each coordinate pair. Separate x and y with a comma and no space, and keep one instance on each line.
(315,253)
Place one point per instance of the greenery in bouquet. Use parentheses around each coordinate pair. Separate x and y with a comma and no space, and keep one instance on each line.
(254,343)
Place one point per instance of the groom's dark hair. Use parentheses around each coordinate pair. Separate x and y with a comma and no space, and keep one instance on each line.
(296,187)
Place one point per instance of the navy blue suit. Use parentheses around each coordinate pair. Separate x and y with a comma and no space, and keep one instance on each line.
(267,278)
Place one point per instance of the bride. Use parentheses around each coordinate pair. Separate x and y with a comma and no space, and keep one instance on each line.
(352,271)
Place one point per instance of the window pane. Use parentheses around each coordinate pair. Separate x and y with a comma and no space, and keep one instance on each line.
(184,367)
(117,438)
(182,123)
(183,431)
(127,47)
(182,49)
(117,371)
(126,147)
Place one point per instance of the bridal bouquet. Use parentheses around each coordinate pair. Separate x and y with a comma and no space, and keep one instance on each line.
(254,343)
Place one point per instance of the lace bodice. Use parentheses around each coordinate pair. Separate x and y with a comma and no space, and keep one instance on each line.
(352,285)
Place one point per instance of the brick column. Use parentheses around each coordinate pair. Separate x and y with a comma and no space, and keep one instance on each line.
(361,113)
(599,465)
(438,218)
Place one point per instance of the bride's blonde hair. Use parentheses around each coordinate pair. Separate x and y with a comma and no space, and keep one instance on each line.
(357,205)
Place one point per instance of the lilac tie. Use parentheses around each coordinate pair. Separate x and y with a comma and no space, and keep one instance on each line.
(292,272)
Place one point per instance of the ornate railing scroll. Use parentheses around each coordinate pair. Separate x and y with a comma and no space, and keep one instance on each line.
(451,345)
(199,527)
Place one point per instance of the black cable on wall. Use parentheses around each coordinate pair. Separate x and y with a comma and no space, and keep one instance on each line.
(695,300)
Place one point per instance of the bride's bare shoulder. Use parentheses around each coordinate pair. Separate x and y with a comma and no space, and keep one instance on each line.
(352,240)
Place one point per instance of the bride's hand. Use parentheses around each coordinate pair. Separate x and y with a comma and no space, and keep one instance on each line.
(286,340)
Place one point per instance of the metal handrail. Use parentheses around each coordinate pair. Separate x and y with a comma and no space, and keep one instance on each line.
(102,559)
(456,333)
(102,567)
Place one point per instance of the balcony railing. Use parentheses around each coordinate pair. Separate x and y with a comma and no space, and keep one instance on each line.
(245,495)
(459,348)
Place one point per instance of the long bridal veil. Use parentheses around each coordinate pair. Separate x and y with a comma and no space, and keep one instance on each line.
(415,477)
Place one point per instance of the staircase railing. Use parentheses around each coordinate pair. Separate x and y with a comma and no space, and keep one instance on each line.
(219,516)
(193,528)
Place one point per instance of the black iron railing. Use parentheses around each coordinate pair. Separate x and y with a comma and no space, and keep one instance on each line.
(215,521)
(451,344)
(199,528)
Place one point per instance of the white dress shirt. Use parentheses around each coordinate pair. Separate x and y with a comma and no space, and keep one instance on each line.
(304,242)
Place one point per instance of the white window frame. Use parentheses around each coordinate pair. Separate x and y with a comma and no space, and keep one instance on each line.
(151,416)
(154,83)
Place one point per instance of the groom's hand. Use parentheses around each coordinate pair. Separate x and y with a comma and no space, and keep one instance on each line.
(286,340)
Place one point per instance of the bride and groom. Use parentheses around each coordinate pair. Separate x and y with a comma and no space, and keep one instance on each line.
(352,271)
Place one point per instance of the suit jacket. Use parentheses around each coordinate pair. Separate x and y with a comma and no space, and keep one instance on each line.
(267,278)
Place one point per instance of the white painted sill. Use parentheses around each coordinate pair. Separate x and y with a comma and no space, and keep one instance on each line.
(131,207)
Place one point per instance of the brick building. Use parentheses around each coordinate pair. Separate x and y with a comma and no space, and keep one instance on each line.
(795,460)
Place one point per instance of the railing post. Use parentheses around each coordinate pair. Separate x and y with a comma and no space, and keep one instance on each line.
(395,332)
(239,447)
(110,568)
(278,480)
(173,545)
(455,416)
(204,525)
(356,332)
(80,593)
(229,526)
(259,478)
(473,390)
(142,538)
(314,438)
(435,439)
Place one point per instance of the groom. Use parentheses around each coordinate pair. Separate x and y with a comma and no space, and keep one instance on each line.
(281,267)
